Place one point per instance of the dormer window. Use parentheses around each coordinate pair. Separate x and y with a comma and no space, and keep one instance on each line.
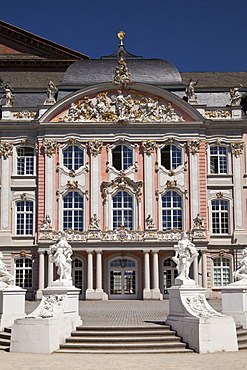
(122,157)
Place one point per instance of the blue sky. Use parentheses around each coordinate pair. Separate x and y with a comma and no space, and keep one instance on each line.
(194,35)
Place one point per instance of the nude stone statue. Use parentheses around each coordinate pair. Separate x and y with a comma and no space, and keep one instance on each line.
(241,273)
(60,253)
(5,277)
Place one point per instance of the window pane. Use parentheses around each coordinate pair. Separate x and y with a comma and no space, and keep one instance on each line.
(73,157)
(73,211)
(171,157)
(172,211)
(218,159)
(122,157)
(122,210)
(25,161)
(220,217)
(24,218)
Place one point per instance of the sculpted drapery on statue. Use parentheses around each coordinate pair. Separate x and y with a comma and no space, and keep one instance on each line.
(5,277)
(60,253)
(241,273)
(185,254)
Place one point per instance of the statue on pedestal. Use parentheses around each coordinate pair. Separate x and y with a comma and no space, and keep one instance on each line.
(190,92)
(60,253)
(241,273)
(8,95)
(5,277)
(185,253)
(235,95)
(51,92)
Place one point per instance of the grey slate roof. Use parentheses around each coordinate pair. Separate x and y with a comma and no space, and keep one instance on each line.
(215,79)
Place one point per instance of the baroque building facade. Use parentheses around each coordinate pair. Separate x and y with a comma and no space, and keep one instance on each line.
(122,155)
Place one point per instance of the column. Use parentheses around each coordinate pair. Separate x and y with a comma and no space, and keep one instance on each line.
(41,274)
(156,291)
(49,187)
(194,180)
(6,201)
(95,148)
(99,271)
(195,270)
(50,272)
(90,290)
(204,270)
(146,290)
(149,182)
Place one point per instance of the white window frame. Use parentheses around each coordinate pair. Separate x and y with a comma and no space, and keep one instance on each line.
(218,156)
(15,269)
(110,149)
(122,209)
(228,213)
(64,168)
(62,208)
(30,197)
(177,190)
(15,159)
(213,268)
(180,147)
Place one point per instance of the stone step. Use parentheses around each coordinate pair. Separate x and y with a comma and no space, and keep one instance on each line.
(4,335)
(118,339)
(122,346)
(123,333)
(123,328)
(242,346)
(241,337)
(127,351)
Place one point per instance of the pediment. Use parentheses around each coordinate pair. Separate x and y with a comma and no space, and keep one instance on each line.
(107,104)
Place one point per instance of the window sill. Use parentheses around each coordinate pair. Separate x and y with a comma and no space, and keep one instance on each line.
(21,237)
(29,177)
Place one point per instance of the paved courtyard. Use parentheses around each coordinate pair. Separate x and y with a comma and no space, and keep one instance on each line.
(123,313)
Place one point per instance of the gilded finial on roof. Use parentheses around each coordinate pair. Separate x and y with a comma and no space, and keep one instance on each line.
(121,35)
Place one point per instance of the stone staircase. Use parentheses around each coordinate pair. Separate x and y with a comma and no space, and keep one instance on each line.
(5,337)
(148,339)
(242,337)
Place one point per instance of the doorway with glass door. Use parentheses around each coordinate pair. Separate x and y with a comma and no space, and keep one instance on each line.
(123,278)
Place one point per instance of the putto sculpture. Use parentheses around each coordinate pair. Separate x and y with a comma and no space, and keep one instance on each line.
(5,277)
(8,95)
(235,95)
(60,253)
(241,273)
(185,254)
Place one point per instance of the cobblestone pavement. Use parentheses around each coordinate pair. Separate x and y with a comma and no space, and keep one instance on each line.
(123,313)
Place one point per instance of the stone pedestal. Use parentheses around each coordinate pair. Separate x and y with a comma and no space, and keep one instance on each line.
(12,305)
(46,328)
(234,303)
(204,329)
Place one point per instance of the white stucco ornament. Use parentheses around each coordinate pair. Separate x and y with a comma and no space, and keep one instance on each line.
(6,278)
(241,273)
(60,253)
(185,253)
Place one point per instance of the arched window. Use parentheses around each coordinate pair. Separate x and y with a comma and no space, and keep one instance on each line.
(73,211)
(218,159)
(73,157)
(171,157)
(24,272)
(170,272)
(24,218)
(220,216)
(221,271)
(171,211)
(122,157)
(122,210)
(25,161)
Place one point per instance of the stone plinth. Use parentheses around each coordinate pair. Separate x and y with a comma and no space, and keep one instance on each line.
(12,305)
(234,303)
(49,324)
(204,329)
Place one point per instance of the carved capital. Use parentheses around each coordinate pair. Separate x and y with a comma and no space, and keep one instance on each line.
(149,146)
(193,146)
(50,147)
(237,148)
(6,149)
(95,147)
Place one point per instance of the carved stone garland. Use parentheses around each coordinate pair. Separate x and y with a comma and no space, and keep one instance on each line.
(121,183)
(149,146)
(6,149)
(50,147)
(193,146)
(237,148)
(95,147)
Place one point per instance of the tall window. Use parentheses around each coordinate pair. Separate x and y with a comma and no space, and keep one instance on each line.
(24,272)
(24,214)
(221,271)
(171,211)
(122,210)
(220,216)
(122,157)
(73,157)
(25,161)
(171,157)
(73,211)
(218,159)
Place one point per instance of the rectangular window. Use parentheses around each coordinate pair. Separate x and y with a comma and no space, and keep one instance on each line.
(24,218)
(220,217)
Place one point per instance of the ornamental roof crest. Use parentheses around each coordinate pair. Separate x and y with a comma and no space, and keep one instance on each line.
(121,106)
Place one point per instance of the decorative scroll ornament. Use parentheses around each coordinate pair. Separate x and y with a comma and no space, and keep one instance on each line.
(6,149)
(149,146)
(122,74)
(219,195)
(49,307)
(23,196)
(150,222)
(119,107)
(200,308)
(46,223)
(241,273)
(198,222)
(24,114)
(190,92)
(217,114)
(95,147)
(94,223)
(235,95)
(237,148)
(50,147)
(72,185)
(171,184)
(8,95)
(193,146)
(121,183)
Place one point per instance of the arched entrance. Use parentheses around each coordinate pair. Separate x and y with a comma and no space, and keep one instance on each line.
(169,274)
(123,278)
(78,275)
